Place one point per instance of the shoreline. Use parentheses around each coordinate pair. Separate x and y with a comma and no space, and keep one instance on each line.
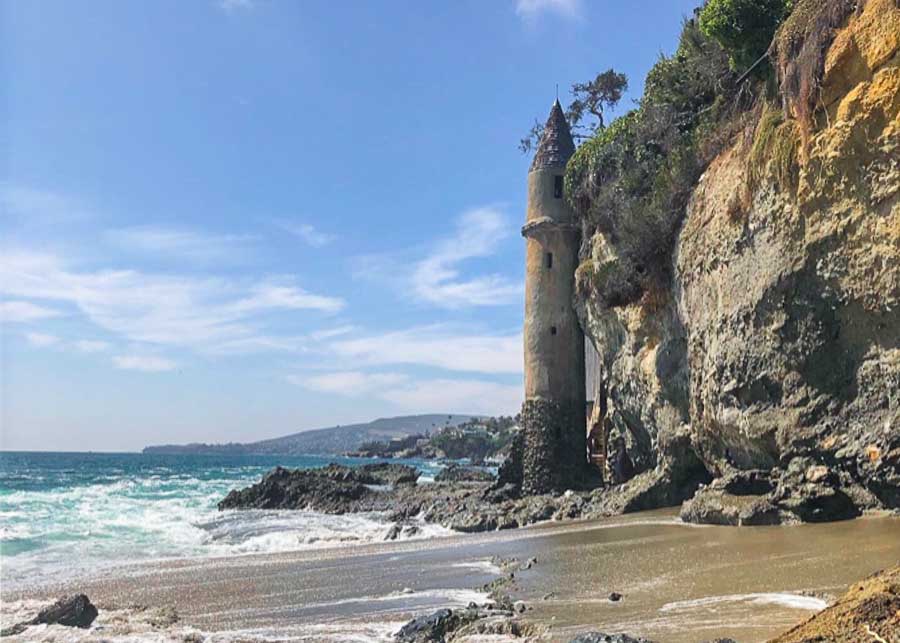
(664,568)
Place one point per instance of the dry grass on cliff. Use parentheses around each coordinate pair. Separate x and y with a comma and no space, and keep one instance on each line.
(776,144)
(800,47)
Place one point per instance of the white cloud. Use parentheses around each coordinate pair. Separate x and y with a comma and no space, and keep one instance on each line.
(436,346)
(179,242)
(194,312)
(308,233)
(530,9)
(438,279)
(24,311)
(41,340)
(146,363)
(419,395)
(91,346)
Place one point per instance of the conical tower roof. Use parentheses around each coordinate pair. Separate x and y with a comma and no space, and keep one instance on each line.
(556,146)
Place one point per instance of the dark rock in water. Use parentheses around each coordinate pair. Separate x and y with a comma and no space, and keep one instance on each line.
(71,611)
(435,627)
(427,628)
(402,529)
(378,473)
(300,489)
(390,473)
(600,637)
(457,473)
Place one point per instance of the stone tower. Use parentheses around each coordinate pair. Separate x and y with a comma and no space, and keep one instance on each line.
(553,415)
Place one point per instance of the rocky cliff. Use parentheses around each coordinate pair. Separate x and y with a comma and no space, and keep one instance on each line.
(774,344)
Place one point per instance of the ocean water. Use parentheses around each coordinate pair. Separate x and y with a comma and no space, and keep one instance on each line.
(67,514)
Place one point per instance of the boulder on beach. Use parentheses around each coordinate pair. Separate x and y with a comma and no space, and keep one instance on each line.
(71,611)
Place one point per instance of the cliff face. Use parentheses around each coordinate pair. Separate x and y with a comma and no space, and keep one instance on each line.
(777,344)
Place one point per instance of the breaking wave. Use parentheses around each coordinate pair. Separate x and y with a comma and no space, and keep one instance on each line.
(73,514)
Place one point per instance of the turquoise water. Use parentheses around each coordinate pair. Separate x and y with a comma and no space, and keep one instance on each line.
(74,513)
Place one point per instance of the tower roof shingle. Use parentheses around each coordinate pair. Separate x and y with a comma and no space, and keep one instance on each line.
(556,145)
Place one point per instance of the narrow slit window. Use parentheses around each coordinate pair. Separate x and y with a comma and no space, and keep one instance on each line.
(557,187)
(548,260)
(553,330)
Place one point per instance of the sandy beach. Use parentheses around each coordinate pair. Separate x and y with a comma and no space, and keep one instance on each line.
(679,582)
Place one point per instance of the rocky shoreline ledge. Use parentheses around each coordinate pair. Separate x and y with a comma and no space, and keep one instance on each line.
(470,499)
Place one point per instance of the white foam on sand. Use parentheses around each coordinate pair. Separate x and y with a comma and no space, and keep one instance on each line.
(484,565)
(784,599)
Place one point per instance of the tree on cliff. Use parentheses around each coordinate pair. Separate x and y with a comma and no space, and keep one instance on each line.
(585,113)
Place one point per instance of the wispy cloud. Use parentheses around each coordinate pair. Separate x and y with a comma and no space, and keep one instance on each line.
(146,363)
(418,395)
(531,9)
(41,340)
(183,243)
(436,346)
(176,310)
(91,346)
(25,311)
(306,232)
(337,331)
(439,278)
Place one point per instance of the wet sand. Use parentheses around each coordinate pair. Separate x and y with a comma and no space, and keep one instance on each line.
(680,582)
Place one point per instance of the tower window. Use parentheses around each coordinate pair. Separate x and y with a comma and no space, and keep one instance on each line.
(548,260)
(553,330)
(557,187)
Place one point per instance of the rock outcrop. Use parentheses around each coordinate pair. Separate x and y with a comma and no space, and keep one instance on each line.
(776,346)
(458,473)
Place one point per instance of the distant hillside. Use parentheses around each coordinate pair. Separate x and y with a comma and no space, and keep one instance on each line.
(335,439)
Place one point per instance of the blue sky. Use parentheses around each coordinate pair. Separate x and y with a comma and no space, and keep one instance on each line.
(234,219)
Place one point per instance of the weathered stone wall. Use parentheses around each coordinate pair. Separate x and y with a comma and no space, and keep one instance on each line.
(553,457)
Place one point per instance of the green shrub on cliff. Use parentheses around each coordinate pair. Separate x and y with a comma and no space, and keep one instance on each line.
(744,28)
(632,180)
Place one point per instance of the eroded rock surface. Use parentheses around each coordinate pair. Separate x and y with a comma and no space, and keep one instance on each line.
(777,345)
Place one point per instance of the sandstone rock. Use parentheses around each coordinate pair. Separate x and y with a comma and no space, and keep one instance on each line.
(869,611)
(779,336)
